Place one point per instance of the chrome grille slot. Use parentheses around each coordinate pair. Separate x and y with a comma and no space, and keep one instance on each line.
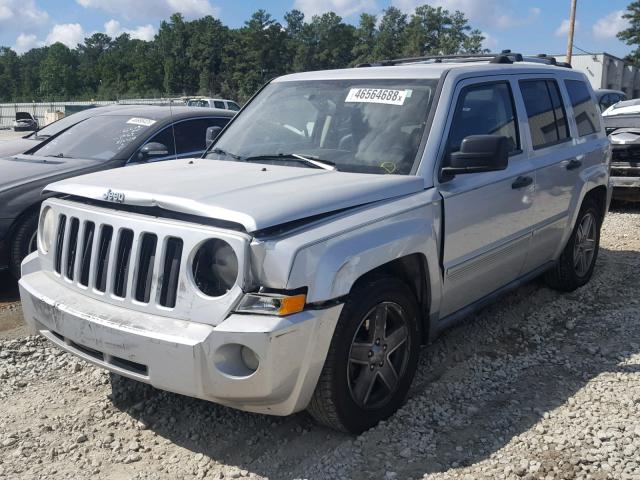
(172,258)
(123,255)
(146,260)
(72,247)
(104,246)
(62,223)
(87,249)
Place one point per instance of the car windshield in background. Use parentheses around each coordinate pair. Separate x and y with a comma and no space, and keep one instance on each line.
(97,138)
(368,126)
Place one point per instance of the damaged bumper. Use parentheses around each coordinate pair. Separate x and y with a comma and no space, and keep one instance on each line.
(185,357)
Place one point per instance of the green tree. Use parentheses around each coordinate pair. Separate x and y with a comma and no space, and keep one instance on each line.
(204,56)
(58,73)
(256,53)
(436,31)
(89,55)
(9,74)
(631,35)
(366,37)
(391,34)
(30,62)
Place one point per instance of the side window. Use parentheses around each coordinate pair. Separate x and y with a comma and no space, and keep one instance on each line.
(485,109)
(191,134)
(605,102)
(233,106)
(218,104)
(547,118)
(584,109)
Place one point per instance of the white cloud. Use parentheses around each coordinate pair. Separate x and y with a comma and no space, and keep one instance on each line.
(158,9)
(496,13)
(5,12)
(23,13)
(490,42)
(344,8)
(563,29)
(143,32)
(26,42)
(70,34)
(609,25)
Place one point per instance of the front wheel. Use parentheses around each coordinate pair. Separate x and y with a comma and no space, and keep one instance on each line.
(372,358)
(23,241)
(578,259)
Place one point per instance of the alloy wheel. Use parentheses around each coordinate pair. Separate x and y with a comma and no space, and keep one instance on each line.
(585,244)
(378,355)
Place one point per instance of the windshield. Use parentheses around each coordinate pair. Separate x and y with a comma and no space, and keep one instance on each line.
(108,135)
(369,126)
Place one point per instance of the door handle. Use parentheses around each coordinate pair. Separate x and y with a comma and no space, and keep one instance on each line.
(573,164)
(522,182)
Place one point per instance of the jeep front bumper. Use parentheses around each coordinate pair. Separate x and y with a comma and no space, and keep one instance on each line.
(185,357)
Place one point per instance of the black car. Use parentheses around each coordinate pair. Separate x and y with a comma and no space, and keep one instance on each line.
(32,139)
(118,137)
(25,121)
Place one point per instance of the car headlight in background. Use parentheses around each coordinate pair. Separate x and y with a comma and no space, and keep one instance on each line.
(46,229)
(272,303)
(215,267)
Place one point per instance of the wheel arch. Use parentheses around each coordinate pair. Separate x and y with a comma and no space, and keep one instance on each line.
(599,195)
(412,270)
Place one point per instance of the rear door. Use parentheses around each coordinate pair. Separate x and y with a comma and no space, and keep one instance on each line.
(487,216)
(562,148)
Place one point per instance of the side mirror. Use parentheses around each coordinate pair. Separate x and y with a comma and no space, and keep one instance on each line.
(212,134)
(479,153)
(152,149)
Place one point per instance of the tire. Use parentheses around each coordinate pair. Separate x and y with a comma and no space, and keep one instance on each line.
(352,393)
(23,241)
(569,272)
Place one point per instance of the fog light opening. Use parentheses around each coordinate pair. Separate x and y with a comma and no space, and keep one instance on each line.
(249,358)
(236,361)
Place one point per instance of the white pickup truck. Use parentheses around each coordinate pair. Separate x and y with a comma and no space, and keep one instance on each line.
(340,221)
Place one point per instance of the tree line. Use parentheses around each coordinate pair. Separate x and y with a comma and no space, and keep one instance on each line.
(206,57)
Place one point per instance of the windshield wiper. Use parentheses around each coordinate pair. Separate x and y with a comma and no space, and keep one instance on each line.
(316,162)
(224,153)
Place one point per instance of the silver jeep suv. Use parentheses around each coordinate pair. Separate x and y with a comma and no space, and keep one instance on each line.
(341,220)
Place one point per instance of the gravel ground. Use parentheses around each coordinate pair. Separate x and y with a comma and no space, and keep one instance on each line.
(540,386)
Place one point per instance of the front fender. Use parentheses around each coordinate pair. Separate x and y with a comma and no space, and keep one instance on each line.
(330,267)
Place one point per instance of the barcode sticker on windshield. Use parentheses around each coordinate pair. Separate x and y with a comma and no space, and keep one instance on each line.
(377,95)
(145,122)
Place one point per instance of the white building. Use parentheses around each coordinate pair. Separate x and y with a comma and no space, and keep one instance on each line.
(607,71)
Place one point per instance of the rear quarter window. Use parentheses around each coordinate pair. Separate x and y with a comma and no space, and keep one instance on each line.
(584,108)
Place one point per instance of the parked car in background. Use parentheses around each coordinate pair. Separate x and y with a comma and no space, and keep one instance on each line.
(622,122)
(25,121)
(118,136)
(344,218)
(606,98)
(21,145)
(214,103)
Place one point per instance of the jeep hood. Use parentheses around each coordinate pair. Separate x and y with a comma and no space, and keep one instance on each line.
(257,196)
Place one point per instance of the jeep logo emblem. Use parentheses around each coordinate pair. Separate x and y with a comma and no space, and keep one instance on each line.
(111,196)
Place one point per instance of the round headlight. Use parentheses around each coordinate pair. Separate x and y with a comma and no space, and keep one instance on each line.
(46,229)
(215,267)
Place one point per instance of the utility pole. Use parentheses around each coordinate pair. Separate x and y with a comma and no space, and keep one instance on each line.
(572,24)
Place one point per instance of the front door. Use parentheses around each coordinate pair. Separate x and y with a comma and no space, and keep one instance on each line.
(487,216)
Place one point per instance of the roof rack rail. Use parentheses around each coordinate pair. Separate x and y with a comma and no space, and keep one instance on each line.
(505,57)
